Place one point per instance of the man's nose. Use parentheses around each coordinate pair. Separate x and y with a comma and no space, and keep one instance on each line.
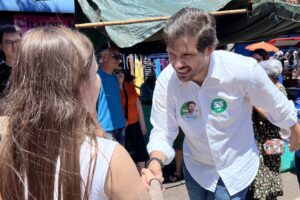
(15,44)
(178,63)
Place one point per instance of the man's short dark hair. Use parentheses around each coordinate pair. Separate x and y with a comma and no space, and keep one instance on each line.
(191,22)
(263,53)
(190,102)
(9,29)
(106,46)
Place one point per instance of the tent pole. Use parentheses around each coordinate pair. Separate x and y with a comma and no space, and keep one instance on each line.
(150,19)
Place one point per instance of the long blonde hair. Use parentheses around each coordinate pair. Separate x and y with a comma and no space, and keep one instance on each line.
(47,117)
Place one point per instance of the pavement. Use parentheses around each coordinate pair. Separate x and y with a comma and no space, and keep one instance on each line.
(177,190)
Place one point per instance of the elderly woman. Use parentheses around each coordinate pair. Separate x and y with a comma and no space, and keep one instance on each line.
(267,184)
(274,68)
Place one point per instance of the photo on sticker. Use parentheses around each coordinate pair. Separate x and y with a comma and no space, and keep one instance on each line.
(189,110)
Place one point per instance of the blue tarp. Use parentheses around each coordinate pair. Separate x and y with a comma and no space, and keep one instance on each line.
(45,6)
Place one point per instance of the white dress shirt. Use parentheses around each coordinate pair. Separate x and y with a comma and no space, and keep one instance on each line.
(219,141)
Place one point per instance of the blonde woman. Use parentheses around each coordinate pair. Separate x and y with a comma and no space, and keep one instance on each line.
(51,150)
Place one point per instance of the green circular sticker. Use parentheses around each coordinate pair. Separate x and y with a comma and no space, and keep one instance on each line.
(218,105)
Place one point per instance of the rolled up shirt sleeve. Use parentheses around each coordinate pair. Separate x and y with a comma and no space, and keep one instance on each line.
(263,93)
(163,119)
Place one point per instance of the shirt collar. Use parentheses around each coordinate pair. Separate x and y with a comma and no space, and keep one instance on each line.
(214,67)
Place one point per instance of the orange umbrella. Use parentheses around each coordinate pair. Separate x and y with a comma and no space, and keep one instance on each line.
(262,45)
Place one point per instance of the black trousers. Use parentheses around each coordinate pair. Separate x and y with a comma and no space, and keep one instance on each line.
(135,143)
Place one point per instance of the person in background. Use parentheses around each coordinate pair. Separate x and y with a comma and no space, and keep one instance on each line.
(136,126)
(289,56)
(260,55)
(147,89)
(146,94)
(297,165)
(297,153)
(267,183)
(110,114)
(10,37)
(298,60)
(51,151)
(219,151)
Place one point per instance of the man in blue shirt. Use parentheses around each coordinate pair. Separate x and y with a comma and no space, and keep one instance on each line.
(109,109)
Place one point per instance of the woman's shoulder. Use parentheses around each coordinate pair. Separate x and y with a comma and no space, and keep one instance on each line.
(103,142)
(104,147)
(124,181)
(130,88)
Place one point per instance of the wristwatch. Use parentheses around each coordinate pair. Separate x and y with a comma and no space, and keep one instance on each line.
(157,159)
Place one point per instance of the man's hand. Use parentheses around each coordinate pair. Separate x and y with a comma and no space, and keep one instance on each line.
(295,137)
(153,171)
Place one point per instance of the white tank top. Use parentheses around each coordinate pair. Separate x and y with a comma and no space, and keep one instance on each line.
(105,151)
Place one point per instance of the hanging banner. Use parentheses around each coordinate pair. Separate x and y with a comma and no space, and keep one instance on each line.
(41,6)
(26,22)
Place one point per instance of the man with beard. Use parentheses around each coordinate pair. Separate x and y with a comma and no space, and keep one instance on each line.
(219,151)
(191,111)
(10,37)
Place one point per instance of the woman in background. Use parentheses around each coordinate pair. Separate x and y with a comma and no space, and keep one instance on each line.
(260,55)
(267,184)
(51,150)
(136,126)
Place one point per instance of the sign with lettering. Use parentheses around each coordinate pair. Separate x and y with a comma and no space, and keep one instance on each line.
(26,22)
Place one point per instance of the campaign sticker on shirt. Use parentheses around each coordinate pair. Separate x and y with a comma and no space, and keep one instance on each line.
(190,111)
(218,105)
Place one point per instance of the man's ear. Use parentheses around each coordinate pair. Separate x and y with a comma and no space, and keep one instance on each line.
(209,50)
(102,58)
